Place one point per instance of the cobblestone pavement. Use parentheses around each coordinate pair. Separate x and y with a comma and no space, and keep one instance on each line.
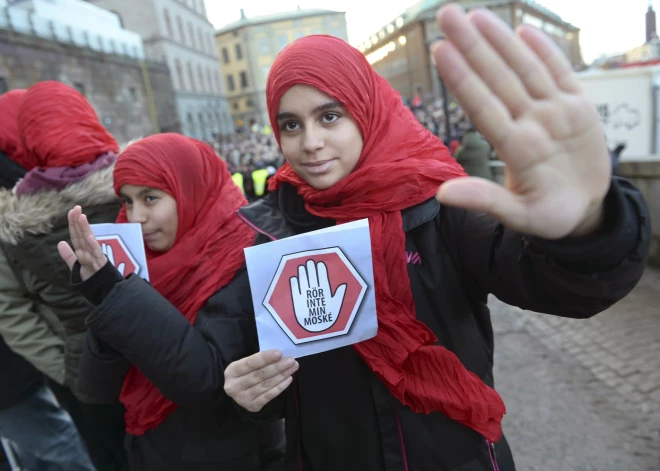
(583,394)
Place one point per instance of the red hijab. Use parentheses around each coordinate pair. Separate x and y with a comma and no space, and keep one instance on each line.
(207,252)
(10,142)
(402,164)
(59,128)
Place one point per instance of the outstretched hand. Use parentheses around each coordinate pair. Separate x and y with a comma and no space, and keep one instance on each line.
(521,93)
(86,250)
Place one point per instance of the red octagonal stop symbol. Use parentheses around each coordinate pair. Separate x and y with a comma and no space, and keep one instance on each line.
(117,252)
(315,295)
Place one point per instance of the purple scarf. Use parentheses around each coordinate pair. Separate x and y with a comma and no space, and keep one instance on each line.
(58,178)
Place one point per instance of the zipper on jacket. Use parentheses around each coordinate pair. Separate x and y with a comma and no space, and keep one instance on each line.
(249,223)
(493,455)
(403,445)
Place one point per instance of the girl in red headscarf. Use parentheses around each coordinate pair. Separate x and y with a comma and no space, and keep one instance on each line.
(56,136)
(11,152)
(164,346)
(420,394)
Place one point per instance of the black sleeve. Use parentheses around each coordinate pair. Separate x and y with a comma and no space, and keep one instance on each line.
(97,286)
(185,362)
(572,277)
(102,371)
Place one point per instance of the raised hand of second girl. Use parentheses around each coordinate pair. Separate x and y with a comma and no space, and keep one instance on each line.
(86,250)
(254,381)
(521,93)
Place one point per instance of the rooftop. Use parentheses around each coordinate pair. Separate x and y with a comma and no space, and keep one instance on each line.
(424,7)
(274,18)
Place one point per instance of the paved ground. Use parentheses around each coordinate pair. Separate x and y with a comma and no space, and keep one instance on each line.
(585,394)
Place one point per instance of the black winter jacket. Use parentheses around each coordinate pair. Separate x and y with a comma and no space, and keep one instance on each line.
(455,260)
(186,362)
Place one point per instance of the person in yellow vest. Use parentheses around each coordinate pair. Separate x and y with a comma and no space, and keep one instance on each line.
(238,180)
(259,178)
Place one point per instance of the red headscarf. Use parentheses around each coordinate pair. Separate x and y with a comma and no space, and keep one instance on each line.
(402,164)
(10,142)
(59,128)
(207,252)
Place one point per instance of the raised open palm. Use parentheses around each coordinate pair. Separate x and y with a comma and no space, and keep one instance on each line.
(86,250)
(521,93)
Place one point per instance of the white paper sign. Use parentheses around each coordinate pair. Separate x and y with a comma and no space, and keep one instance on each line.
(314,292)
(124,246)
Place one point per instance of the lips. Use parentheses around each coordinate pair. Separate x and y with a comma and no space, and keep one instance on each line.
(149,235)
(320,167)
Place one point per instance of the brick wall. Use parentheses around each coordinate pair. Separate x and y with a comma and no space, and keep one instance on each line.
(114,85)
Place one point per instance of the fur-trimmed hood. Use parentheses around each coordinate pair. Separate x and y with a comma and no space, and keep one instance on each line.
(39,212)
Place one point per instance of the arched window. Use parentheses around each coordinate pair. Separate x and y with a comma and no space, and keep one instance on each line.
(168,23)
(182,33)
(209,80)
(191,32)
(179,72)
(192,77)
(202,43)
(202,84)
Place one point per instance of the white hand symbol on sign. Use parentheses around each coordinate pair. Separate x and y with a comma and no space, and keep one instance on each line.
(108,252)
(316,308)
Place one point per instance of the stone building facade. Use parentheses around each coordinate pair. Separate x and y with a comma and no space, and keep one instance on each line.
(178,33)
(132,97)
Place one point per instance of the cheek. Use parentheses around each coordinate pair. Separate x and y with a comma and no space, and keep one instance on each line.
(290,149)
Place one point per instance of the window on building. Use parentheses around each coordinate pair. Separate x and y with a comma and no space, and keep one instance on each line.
(202,43)
(80,87)
(202,83)
(210,46)
(133,93)
(235,106)
(209,80)
(231,86)
(191,32)
(249,103)
(4,85)
(168,23)
(182,33)
(225,55)
(282,41)
(244,80)
(191,75)
(239,52)
(264,47)
(202,7)
(216,77)
(179,74)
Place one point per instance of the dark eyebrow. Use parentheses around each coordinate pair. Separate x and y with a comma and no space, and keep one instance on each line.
(142,192)
(324,107)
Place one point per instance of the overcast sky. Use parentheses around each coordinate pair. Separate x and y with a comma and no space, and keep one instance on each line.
(607,27)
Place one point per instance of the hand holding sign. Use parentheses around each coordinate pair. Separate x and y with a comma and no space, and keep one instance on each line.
(316,308)
(254,381)
(86,250)
(108,252)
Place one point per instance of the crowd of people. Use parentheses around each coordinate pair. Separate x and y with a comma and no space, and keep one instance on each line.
(102,370)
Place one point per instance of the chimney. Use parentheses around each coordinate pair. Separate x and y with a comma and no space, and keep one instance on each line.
(243,17)
(650,23)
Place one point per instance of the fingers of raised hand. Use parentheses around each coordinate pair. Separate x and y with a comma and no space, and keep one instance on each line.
(67,254)
(483,63)
(516,53)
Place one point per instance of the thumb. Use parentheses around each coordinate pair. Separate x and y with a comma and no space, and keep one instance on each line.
(341,291)
(67,254)
(481,195)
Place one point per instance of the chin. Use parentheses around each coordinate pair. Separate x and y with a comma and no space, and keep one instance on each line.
(323,182)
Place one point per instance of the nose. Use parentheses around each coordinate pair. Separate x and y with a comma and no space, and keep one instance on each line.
(137,214)
(313,139)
